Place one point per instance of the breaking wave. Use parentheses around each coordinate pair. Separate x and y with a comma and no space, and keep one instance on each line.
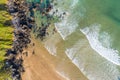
(92,34)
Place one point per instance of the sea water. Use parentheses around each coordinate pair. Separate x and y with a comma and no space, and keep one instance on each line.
(88,37)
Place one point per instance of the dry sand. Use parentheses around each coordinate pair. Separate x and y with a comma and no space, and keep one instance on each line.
(43,66)
(38,66)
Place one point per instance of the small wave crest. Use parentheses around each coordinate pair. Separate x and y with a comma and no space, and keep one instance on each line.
(92,65)
(65,28)
(63,75)
(68,22)
(92,34)
(51,49)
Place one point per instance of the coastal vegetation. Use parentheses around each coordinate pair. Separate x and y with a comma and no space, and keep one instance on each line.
(6,36)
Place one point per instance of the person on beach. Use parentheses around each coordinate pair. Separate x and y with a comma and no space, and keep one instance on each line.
(33,44)
(26,54)
(33,52)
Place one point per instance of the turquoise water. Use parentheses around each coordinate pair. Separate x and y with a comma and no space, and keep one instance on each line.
(107,13)
(88,36)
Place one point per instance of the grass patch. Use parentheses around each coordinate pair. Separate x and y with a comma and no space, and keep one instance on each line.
(6,37)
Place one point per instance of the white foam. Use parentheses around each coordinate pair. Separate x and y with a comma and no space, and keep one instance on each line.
(51,49)
(69,23)
(80,66)
(74,2)
(51,44)
(92,34)
(66,28)
(63,75)
(92,65)
(71,52)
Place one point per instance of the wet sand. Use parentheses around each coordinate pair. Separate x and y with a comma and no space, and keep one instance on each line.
(43,66)
(38,66)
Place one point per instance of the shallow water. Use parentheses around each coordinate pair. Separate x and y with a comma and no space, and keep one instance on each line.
(88,36)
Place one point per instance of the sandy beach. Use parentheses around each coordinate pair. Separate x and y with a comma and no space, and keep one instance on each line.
(38,66)
(43,66)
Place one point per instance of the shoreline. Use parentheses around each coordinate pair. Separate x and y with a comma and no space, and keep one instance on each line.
(15,55)
(62,66)
(109,54)
(30,67)
(44,68)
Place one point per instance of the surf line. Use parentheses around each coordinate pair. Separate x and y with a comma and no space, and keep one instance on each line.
(23,22)
(107,53)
